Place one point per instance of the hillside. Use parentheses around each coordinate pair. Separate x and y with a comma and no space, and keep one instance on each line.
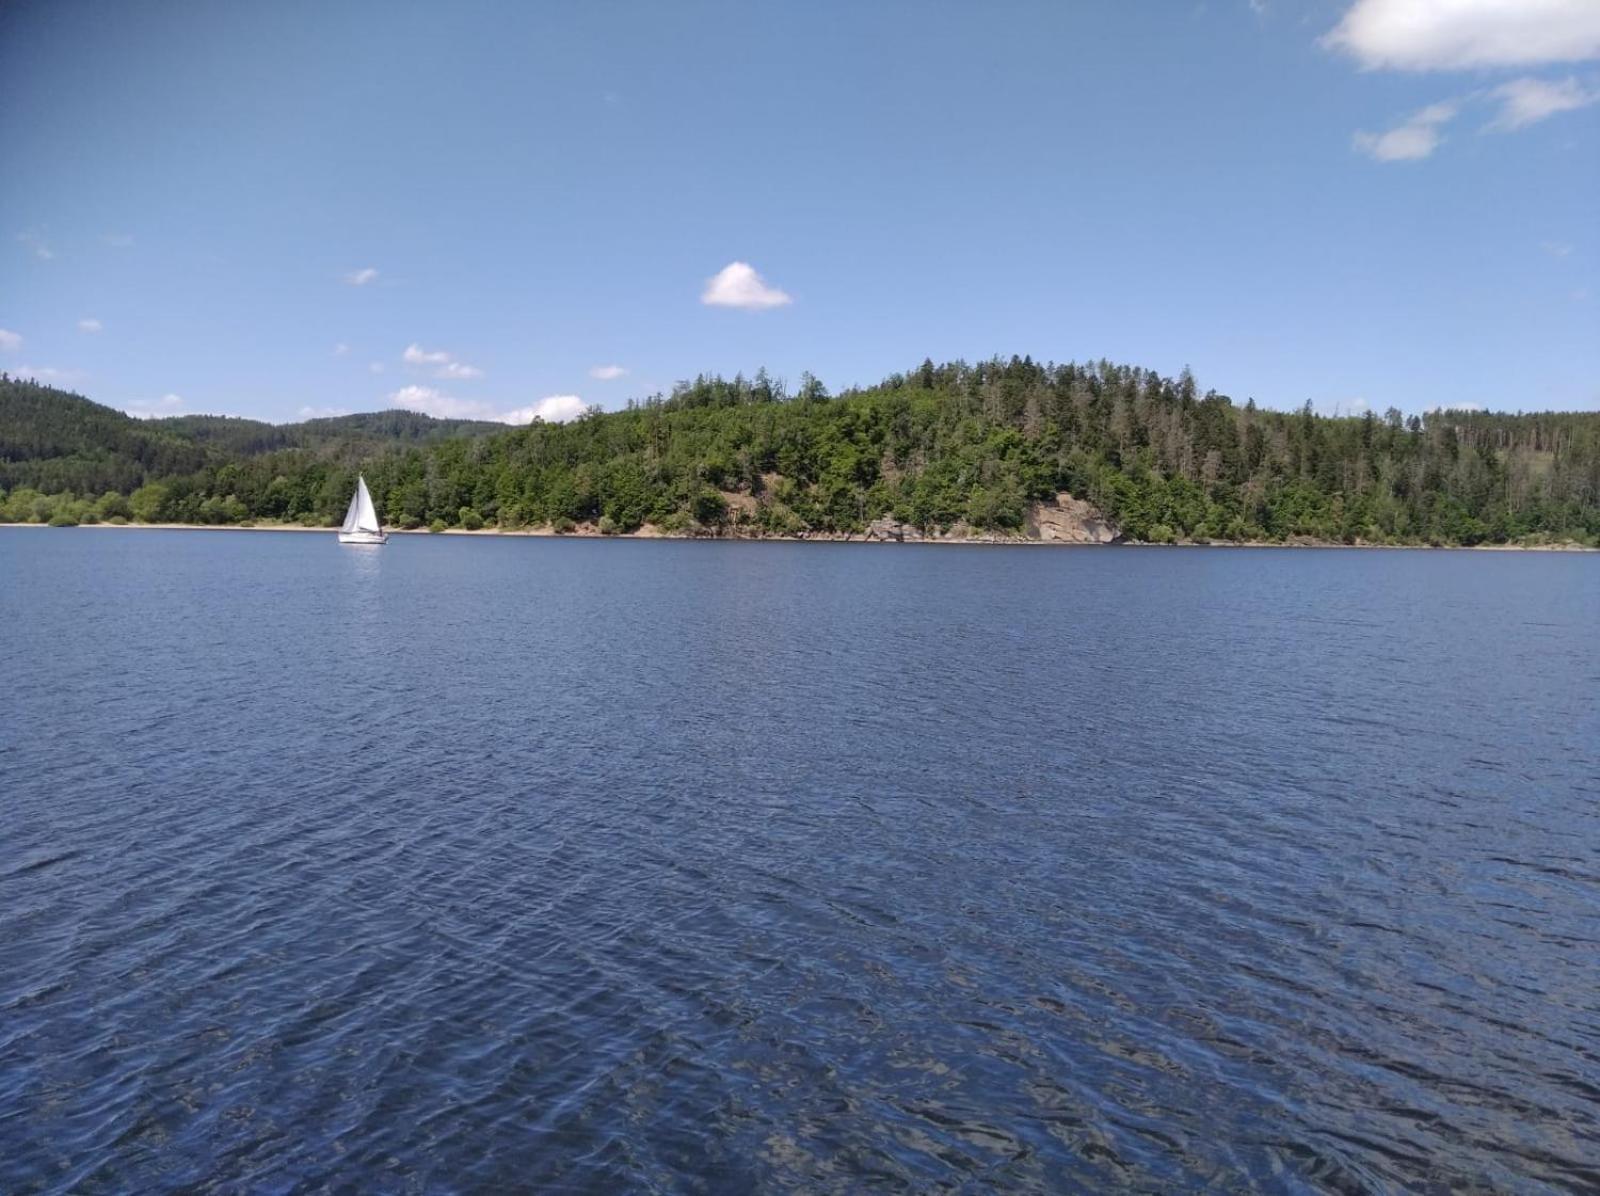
(347,436)
(953,449)
(54,441)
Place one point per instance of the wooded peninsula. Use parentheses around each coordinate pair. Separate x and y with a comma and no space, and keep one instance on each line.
(945,451)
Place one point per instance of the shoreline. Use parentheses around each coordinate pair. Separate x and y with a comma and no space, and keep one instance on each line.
(590,533)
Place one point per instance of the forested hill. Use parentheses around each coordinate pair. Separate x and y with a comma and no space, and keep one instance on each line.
(958,446)
(53,441)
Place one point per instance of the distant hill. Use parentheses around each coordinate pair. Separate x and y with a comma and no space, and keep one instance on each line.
(53,440)
(353,434)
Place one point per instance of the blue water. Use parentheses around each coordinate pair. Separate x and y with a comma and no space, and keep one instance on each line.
(509,864)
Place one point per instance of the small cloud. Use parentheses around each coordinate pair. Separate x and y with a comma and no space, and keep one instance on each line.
(1413,139)
(341,349)
(1556,248)
(1440,35)
(449,368)
(1581,295)
(1527,101)
(323,412)
(167,404)
(375,367)
(607,373)
(556,409)
(360,278)
(89,324)
(738,285)
(9,340)
(432,402)
(118,240)
(36,243)
(417,355)
(429,401)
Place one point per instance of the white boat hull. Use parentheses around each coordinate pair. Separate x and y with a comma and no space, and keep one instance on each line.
(363,537)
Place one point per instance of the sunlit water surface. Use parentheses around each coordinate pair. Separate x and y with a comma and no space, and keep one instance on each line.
(470,864)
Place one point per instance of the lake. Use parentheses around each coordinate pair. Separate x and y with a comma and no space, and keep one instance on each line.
(474,864)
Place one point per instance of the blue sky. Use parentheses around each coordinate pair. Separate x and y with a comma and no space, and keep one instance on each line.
(265,209)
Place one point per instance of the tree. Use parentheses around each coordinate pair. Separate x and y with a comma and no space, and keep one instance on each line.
(148,502)
(710,508)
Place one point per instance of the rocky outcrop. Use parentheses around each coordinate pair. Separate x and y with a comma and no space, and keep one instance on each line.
(889,528)
(1069,520)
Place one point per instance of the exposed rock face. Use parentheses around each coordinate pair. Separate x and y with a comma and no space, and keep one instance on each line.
(889,528)
(1070,520)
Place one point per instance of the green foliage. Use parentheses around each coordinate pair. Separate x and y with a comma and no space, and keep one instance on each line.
(148,502)
(63,519)
(438,525)
(53,440)
(609,526)
(959,443)
(709,508)
(111,505)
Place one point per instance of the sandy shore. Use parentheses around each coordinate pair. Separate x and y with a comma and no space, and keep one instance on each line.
(650,533)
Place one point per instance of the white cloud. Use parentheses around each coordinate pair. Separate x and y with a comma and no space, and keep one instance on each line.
(1526,101)
(449,368)
(375,367)
(360,278)
(341,349)
(1414,138)
(556,409)
(9,340)
(417,355)
(168,404)
(607,373)
(1433,35)
(738,285)
(429,401)
(322,412)
(90,324)
(1556,248)
(36,243)
(118,240)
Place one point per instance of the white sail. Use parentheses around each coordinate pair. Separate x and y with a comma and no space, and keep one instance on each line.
(362,516)
(352,514)
(368,520)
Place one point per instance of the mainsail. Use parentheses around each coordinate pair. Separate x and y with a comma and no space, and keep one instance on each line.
(361,517)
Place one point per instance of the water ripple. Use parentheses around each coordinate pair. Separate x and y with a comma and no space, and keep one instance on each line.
(560,866)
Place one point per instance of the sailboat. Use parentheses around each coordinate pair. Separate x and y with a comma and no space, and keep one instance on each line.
(361,524)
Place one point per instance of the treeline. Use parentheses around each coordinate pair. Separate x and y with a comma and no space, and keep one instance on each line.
(54,441)
(963,446)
